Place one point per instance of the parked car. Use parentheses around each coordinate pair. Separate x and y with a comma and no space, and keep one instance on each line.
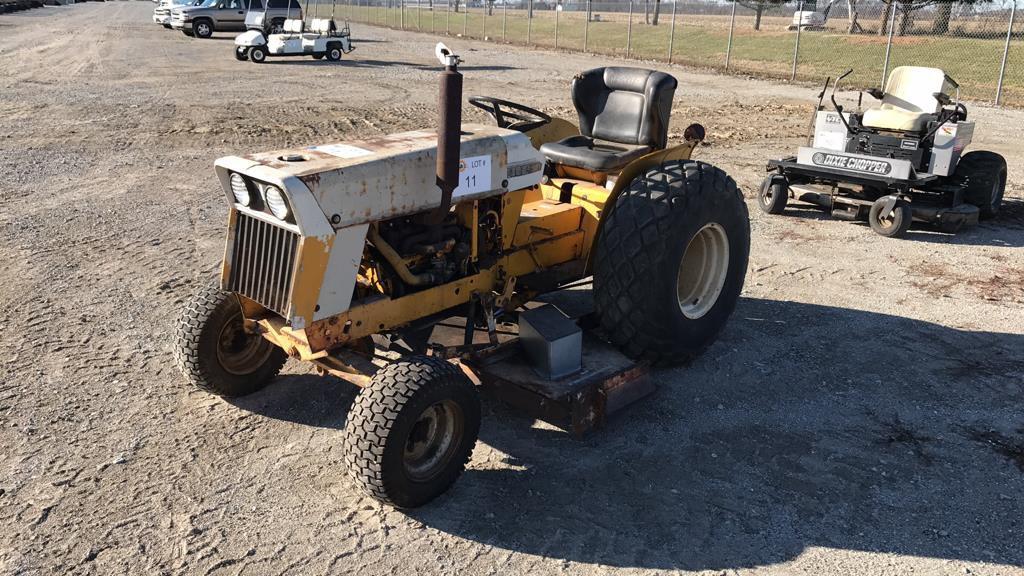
(211,16)
(162,12)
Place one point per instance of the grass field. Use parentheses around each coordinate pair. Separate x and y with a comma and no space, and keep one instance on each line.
(703,40)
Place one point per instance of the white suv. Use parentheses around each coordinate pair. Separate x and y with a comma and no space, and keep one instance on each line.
(162,12)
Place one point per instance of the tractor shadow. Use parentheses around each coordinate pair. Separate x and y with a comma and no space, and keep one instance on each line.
(803,426)
(307,399)
(1006,230)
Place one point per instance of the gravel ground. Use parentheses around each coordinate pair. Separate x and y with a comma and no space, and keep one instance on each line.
(859,415)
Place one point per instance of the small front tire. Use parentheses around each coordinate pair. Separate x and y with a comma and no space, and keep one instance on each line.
(774,195)
(257,54)
(333,53)
(893,224)
(411,431)
(241,53)
(214,352)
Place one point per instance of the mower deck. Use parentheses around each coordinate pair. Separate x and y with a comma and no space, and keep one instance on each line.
(608,382)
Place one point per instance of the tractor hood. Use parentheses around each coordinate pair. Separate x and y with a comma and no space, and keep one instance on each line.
(356,182)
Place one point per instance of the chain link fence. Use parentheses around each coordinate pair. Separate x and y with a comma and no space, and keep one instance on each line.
(977,42)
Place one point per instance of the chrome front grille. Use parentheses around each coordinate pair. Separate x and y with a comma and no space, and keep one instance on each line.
(262,262)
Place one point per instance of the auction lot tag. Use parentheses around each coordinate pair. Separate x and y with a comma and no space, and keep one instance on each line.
(474,175)
(343,151)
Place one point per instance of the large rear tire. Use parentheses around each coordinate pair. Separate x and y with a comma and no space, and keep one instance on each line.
(670,262)
(984,175)
(411,432)
(215,353)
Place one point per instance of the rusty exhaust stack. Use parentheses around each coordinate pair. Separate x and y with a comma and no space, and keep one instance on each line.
(449,131)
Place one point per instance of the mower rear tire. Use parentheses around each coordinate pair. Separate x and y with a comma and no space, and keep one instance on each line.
(411,432)
(670,261)
(215,353)
(892,225)
(984,174)
(774,195)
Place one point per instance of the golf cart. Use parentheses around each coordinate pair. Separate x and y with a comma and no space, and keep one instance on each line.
(321,39)
(893,163)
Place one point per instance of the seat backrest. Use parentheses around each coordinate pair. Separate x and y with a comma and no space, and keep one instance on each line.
(624,105)
(293,25)
(913,88)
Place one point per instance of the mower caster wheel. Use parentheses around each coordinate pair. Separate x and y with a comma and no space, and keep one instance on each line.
(215,353)
(241,53)
(257,54)
(670,261)
(411,431)
(895,223)
(774,195)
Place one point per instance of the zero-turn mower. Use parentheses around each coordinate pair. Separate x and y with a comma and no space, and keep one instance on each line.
(895,163)
(409,265)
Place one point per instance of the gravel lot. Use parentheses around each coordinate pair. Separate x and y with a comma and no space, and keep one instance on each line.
(859,415)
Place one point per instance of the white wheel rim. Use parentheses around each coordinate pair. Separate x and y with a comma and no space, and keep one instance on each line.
(702,271)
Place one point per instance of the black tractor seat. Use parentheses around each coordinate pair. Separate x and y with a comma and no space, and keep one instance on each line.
(623,113)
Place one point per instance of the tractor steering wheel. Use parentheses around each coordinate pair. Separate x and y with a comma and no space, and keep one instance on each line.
(510,114)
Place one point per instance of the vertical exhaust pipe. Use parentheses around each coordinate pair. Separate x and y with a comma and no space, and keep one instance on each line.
(449,131)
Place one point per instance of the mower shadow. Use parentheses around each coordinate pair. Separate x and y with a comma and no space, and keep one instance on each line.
(1003,231)
(780,438)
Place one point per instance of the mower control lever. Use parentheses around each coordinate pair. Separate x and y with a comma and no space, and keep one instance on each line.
(836,105)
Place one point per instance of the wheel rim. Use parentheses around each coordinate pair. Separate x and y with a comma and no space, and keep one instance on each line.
(433,440)
(887,220)
(997,189)
(702,271)
(335,55)
(768,194)
(237,352)
(203,29)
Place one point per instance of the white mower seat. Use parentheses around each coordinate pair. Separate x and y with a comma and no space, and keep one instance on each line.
(293,26)
(909,101)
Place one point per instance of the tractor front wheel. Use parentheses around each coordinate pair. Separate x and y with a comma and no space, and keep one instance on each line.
(216,354)
(671,259)
(410,433)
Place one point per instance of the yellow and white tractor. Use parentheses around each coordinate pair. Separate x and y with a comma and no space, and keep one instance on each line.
(356,256)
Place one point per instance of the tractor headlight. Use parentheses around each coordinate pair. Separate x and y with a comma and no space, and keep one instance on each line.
(276,201)
(240,189)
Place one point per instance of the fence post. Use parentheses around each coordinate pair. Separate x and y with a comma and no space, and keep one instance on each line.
(465,19)
(556,26)
(796,48)
(586,27)
(732,24)
(1006,52)
(401,11)
(888,43)
(629,29)
(504,19)
(672,31)
(483,12)
(529,20)
(447,17)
